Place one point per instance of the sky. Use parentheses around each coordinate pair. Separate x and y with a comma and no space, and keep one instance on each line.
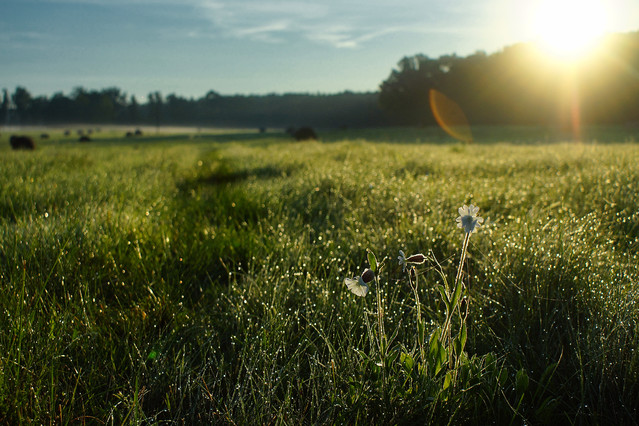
(189,47)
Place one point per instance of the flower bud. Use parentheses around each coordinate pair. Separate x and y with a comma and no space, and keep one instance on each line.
(416,258)
(368,276)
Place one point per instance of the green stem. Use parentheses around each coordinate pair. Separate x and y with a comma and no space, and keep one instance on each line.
(456,297)
(382,335)
(462,260)
(420,325)
(380,319)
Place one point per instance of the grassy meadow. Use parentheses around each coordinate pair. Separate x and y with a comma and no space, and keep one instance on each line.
(200,279)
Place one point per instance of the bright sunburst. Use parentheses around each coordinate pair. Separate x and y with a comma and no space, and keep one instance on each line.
(569,29)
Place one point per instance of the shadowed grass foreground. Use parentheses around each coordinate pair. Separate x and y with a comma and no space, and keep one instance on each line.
(202,281)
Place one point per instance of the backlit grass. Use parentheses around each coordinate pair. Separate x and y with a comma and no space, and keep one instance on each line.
(202,279)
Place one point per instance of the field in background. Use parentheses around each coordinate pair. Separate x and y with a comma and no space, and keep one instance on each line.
(200,278)
(110,130)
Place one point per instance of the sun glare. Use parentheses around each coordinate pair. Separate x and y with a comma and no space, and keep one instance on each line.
(569,29)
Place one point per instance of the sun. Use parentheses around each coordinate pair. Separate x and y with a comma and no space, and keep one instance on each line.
(569,29)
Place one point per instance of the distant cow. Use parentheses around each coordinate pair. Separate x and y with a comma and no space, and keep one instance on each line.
(138,132)
(21,142)
(305,134)
(84,139)
(44,136)
(129,134)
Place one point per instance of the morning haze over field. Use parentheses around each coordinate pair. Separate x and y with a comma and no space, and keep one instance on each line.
(451,236)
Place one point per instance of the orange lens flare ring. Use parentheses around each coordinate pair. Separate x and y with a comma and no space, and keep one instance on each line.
(450,116)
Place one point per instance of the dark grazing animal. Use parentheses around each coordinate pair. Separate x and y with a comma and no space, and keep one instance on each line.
(44,136)
(21,142)
(85,139)
(305,134)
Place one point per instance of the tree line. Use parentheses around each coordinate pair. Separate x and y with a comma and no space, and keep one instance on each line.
(522,85)
(517,85)
(112,106)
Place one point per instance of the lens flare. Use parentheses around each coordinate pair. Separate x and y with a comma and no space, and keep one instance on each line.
(450,116)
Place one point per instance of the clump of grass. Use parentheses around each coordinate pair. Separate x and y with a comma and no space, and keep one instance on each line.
(429,364)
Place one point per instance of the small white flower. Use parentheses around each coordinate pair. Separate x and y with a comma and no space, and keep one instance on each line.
(402,260)
(359,285)
(468,218)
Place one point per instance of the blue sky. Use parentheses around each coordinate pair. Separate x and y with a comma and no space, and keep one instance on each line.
(189,47)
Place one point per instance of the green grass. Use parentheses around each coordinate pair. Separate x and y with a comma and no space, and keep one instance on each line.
(200,279)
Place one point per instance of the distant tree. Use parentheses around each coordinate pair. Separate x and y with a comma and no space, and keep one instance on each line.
(404,93)
(81,103)
(212,95)
(22,100)
(37,110)
(4,108)
(155,107)
(60,109)
(133,108)
(180,110)
(111,104)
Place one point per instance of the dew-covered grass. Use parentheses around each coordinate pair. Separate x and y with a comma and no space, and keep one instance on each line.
(201,279)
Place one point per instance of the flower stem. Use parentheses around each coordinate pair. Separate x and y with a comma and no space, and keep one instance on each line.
(420,324)
(455,299)
(463,259)
(380,319)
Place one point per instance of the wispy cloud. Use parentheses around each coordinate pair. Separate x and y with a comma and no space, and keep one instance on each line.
(124,2)
(267,32)
(343,25)
(271,21)
(24,39)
